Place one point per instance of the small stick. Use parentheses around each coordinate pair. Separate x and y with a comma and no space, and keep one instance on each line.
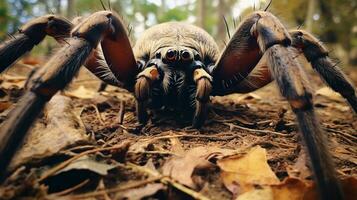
(69,190)
(98,114)
(121,112)
(116,189)
(264,132)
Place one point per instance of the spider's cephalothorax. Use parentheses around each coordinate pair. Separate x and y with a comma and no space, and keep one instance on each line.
(176,50)
(178,66)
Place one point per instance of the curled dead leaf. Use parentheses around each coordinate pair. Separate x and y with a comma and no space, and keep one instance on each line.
(242,173)
(81,93)
(181,168)
(290,188)
(4,106)
(329,93)
(142,192)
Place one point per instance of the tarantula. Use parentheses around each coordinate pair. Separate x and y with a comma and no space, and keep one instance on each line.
(179,66)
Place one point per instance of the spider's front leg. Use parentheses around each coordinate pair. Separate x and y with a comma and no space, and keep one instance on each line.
(101,27)
(317,55)
(263,32)
(31,34)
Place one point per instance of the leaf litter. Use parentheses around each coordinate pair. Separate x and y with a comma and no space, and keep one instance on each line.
(248,149)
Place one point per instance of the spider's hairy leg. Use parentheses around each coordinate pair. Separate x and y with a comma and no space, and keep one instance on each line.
(54,76)
(317,55)
(143,87)
(203,91)
(274,40)
(31,34)
(259,77)
(114,50)
(96,63)
(241,67)
(43,84)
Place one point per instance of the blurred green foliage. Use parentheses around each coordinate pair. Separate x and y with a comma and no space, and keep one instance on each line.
(334,21)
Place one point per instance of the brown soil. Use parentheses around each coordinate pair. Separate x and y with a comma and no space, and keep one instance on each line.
(234,122)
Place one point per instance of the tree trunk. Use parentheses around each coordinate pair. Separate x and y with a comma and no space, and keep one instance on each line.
(309,21)
(221,27)
(201,14)
(70,8)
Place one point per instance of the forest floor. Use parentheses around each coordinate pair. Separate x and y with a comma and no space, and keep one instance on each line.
(248,148)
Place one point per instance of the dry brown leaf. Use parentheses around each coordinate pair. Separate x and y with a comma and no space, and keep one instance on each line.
(88,163)
(241,173)
(81,93)
(142,192)
(329,93)
(299,169)
(61,129)
(182,167)
(349,185)
(290,188)
(4,105)
(10,84)
(150,165)
(297,189)
(176,146)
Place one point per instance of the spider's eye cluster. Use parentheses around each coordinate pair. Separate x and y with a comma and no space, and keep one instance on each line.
(158,55)
(171,55)
(197,57)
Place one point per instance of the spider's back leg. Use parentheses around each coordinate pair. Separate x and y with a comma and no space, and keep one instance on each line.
(59,71)
(31,34)
(317,55)
(279,62)
(274,41)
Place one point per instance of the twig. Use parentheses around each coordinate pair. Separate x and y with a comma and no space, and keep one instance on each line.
(116,189)
(153,152)
(121,112)
(67,191)
(168,180)
(218,137)
(342,133)
(264,132)
(97,113)
(67,162)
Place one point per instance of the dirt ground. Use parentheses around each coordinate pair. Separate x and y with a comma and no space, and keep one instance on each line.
(138,158)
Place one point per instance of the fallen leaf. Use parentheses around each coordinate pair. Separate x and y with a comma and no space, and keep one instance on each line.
(142,192)
(241,173)
(349,185)
(181,167)
(88,163)
(299,169)
(60,129)
(176,146)
(10,85)
(290,188)
(329,93)
(4,106)
(81,92)
(150,165)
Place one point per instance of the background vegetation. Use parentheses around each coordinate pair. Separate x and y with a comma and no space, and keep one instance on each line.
(333,21)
